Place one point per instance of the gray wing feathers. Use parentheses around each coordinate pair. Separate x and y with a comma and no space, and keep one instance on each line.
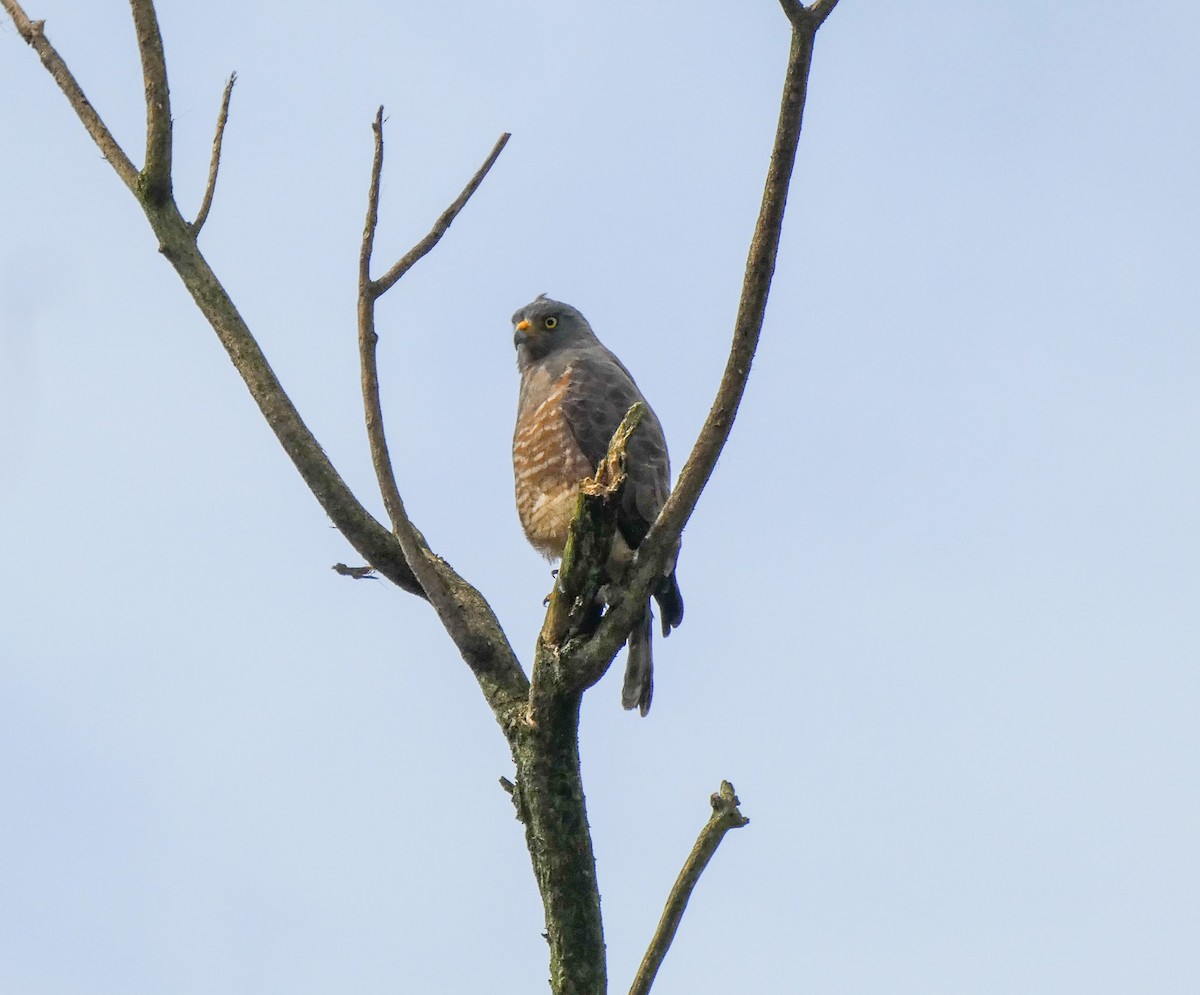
(600,393)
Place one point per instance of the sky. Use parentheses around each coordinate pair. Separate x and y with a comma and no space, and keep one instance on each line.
(942,590)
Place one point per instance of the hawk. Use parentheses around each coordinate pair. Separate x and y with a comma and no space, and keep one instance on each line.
(574,394)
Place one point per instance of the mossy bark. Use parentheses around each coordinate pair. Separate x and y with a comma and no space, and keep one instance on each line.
(549,799)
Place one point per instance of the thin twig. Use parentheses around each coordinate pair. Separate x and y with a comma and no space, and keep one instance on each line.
(214,163)
(660,542)
(368,340)
(369,291)
(725,816)
(156,172)
(373,541)
(35,36)
(357,573)
(372,222)
(422,248)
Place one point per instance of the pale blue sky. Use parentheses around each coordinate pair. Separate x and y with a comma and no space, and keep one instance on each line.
(942,591)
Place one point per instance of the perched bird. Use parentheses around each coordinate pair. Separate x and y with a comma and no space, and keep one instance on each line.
(574,394)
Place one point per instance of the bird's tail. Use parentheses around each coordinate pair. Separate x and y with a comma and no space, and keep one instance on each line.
(639,668)
(670,603)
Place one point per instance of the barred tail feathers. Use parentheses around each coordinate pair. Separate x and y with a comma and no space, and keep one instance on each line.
(639,668)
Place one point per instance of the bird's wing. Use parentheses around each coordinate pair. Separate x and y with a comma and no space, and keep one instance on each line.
(599,395)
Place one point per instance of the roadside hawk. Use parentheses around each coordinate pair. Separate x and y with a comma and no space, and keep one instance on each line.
(574,394)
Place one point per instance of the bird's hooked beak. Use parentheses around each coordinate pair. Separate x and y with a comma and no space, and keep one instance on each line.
(521,332)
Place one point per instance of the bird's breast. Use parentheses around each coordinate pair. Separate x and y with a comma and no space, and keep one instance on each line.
(548,465)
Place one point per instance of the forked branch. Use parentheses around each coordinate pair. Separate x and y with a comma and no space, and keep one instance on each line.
(177,242)
(811,16)
(461,609)
(369,291)
(440,227)
(475,629)
(368,339)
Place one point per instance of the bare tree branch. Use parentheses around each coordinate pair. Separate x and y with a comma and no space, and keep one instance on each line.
(812,15)
(472,623)
(35,36)
(214,163)
(550,803)
(461,608)
(577,944)
(369,291)
(368,339)
(422,248)
(156,172)
(375,543)
(660,542)
(725,816)
(548,790)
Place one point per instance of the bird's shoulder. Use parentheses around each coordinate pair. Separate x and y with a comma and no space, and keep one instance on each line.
(600,391)
(596,377)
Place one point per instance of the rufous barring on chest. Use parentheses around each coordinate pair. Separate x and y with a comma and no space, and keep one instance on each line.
(549,465)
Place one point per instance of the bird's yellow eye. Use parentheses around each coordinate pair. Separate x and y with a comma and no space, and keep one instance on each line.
(550,322)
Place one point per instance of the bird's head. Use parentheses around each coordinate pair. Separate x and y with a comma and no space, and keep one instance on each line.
(543,327)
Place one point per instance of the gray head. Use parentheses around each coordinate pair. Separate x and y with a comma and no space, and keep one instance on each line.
(543,327)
